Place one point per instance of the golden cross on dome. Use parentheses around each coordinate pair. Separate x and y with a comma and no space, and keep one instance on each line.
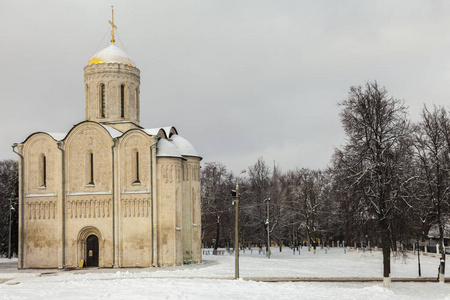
(113,26)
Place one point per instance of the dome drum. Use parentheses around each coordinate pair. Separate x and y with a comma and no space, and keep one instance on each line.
(112,69)
(112,92)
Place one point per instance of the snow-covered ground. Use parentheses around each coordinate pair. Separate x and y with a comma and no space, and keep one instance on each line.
(211,279)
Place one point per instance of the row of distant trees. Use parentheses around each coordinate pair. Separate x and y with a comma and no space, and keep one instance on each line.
(388,185)
(9,182)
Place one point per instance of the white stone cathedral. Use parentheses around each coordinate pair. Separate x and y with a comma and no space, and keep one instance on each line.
(109,193)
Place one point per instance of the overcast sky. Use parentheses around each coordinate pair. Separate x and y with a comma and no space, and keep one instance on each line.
(239,79)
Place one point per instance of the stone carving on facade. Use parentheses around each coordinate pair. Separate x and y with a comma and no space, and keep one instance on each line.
(41,210)
(89,208)
(136,208)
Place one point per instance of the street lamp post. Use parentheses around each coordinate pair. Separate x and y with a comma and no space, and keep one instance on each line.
(9,229)
(11,208)
(268,230)
(236,229)
(418,257)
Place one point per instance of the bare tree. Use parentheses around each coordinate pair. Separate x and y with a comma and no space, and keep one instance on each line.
(216,204)
(292,218)
(308,195)
(344,193)
(432,152)
(9,206)
(257,192)
(376,126)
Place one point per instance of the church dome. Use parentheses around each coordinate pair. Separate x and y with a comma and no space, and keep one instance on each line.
(184,146)
(166,149)
(111,54)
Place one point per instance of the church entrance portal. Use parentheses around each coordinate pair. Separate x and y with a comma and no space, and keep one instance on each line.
(92,251)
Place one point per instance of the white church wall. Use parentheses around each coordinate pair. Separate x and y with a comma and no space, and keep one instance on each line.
(41,202)
(194,186)
(88,138)
(88,211)
(135,203)
(169,211)
(135,231)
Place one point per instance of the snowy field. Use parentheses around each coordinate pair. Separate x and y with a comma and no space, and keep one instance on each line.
(212,279)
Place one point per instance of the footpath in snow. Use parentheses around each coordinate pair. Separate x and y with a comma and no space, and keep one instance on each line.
(212,278)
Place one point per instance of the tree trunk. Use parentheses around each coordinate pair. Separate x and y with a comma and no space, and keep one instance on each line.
(386,253)
(216,244)
(442,249)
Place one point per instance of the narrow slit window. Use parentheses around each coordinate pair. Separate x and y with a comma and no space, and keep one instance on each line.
(137,104)
(122,101)
(91,158)
(137,168)
(102,100)
(87,93)
(43,171)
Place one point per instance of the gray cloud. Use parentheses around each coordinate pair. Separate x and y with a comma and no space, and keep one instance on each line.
(239,79)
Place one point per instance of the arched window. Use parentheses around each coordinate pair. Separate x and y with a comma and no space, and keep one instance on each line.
(91,169)
(42,171)
(136,168)
(122,101)
(102,100)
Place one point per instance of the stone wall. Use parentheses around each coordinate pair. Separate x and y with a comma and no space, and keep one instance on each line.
(41,211)
(169,205)
(118,210)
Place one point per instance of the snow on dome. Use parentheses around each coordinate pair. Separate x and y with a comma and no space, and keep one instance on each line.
(166,148)
(184,146)
(111,54)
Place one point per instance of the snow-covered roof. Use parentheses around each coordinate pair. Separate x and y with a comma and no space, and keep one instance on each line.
(164,148)
(114,133)
(175,146)
(57,136)
(168,131)
(61,136)
(111,54)
(154,131)
(184,146)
